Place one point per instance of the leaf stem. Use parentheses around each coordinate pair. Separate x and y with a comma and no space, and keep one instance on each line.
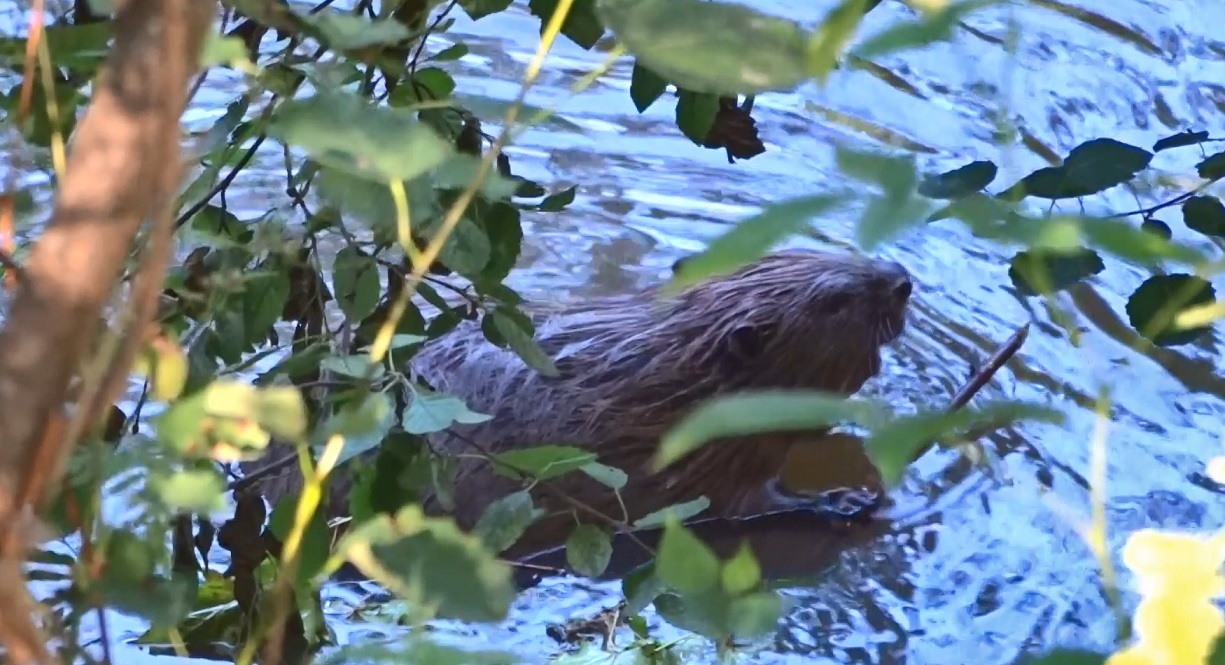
(1097,536)
(308,503)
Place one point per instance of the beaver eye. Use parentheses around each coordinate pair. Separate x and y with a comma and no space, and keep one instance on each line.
(744,342)
(837,301)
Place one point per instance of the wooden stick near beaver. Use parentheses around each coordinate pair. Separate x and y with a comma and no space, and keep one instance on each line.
(632,365)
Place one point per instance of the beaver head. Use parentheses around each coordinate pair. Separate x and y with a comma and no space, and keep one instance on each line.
(792,319)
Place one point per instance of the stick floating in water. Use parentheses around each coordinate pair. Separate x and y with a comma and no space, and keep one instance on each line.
(980,378)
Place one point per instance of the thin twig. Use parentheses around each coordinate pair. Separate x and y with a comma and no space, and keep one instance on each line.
(980,378)
(1165,204)
(428,31)
(223,183)
(11,266)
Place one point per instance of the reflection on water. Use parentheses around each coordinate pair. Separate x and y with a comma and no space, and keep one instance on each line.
(989,565)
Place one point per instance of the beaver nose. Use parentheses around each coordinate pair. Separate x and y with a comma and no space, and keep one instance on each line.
(898,279)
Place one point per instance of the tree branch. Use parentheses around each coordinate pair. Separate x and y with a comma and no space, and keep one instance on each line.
(124,168)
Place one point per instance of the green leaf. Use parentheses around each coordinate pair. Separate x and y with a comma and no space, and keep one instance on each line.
(478,9)
(1212,167)
(684,562)
(370,203)
(430,412)
(645,86)
(195,490)
(466,250)
(610,477)
(220,50)
(1204,214)
(400,472)
(263,299)
(741,573)
(702,614)
(363,424)
(1067,234)
(346,132)
(582,25)
(460,170)
(39,126)
(898,209)
(557,202)
(750,239)
(437,82)
(523,343)
(959,182)
(683,512)
(316,539)
(1092,167)
(588,550)
(714,47)
(358,366)
(165,364)
(834,33)
(502,224)
(895,443)
(1217,654)
(1180,140)
(402,340)
(227,131)
(755,614)
(1125,241)
(641,586)
(130,585)
(505,520)
(282,412)
(695,114)
(896,175)
(1035,272)
(1157,228)
(589,652)
(79,47)
(221,227)
(887,217)
(1068,657)
(191,425)
(932,27)
(348,32)
(414,652)
(355,278)
(1153,306)
(543,462)
(429,561)
(759,412)
(486,106)
(456,51)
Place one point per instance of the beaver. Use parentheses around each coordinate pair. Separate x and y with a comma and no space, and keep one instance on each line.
(631,366)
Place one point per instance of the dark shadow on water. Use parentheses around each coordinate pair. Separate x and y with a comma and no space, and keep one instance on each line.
(794,545)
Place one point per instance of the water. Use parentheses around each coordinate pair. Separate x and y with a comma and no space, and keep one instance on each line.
(995,567)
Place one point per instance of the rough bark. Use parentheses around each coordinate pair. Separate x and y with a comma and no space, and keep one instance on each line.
(123,170)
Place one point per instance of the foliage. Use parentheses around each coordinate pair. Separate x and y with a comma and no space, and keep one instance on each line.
(388,155)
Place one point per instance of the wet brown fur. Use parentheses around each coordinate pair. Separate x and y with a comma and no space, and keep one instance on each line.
(632,365)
